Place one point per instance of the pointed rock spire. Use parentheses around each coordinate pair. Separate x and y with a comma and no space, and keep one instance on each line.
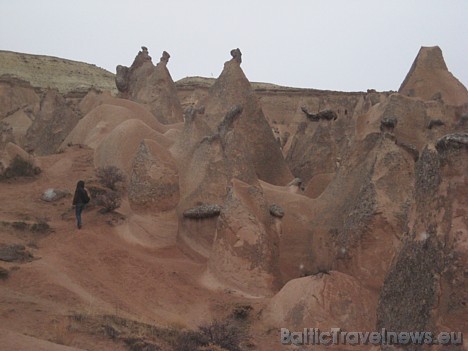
(430,79)
(231,90)
(150,85)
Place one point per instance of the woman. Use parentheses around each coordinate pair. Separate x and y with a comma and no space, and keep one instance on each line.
(80,199)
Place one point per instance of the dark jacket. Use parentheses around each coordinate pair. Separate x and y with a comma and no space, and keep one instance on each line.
(81,195)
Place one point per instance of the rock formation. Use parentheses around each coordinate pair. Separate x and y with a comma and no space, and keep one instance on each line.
(19,103)
(154,180)
(425,288)
(430,79)
(52,124)
(120,146)
(206,170)
(226,137)
(313,208)
(245,248)
(102,120)
(325,300)
(232,89)
(151,86)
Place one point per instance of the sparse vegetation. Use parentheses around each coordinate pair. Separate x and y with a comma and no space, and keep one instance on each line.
(135,335)
(14,253)
(41,227)
(110,177)
(110,201)
(20,168)
(226,334)
(241,312)
(4,273)
(139,344)
(109,197)
(190,340)
(20,225)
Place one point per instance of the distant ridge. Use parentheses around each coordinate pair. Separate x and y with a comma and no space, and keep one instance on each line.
(54,72)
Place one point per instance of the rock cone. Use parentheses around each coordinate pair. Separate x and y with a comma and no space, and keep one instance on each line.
(150,85)
(430,79)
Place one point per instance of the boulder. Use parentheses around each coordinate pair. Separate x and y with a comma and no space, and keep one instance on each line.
(51,194)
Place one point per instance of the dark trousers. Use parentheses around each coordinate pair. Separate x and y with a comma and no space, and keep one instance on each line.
(78,210)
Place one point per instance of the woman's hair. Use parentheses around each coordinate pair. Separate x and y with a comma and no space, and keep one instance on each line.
(80,184)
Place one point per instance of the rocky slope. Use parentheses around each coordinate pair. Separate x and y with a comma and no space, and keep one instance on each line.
(54,72)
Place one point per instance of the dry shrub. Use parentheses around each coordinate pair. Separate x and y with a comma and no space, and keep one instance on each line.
(190,340)
(20,168)
(110,201)
(226,334)
(20,225)
(4,273)
(110,176)
(40,227)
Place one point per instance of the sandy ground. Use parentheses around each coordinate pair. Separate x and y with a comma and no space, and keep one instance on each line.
(120,264)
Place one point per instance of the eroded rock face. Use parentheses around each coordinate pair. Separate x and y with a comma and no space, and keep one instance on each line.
(150,85)
(154,181)
(206,169)
(245,249)
(101,120)
(430,79)
(425,288)
(16,94)
(120,146)
(225,137)
(232,90)
(355,225)
(19,103)
(55,120)
(325,300)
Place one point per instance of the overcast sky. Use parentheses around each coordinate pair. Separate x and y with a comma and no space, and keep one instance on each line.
(344,45)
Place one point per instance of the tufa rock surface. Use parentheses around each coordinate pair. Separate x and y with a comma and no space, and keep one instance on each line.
(245,248)
(150,85)
(430,79)
(154,180)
